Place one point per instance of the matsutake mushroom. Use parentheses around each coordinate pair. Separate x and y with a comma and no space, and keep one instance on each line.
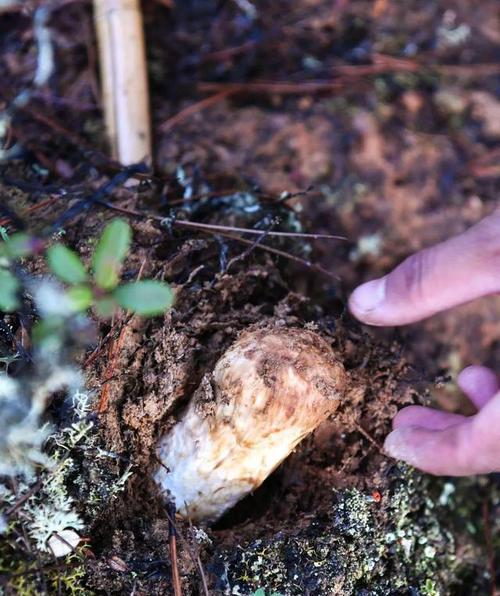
(267,392)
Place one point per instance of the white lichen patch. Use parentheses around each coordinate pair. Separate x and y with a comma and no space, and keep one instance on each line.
(52,516)
(367,246)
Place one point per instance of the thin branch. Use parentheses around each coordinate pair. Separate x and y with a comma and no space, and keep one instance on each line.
(368,437)
(264,247)
(278,87)
(34,489)
(192,109)
(215,227)
(345,73)
(172,542)
(246,252)
(194,557)
(282,253)
(218,228)
(200,566)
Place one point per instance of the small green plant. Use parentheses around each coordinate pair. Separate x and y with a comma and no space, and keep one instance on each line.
(99,288)
(13,247)
(46,465)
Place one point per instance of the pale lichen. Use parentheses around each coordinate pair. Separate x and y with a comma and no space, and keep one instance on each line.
(408,542)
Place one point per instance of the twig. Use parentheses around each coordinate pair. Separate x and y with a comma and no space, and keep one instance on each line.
(282,253)
(278,87)
(218,228)
(55,126)
(246,252)
(368,437)
(124,79)
(195,558)
(310,236)
(193,274)
(192,109)
(101,192)
(487,165)
(265,247)
(12,216)
(200,567)
(226,53)
(345,73)
(113,351)
(34,489)
(172,542)
(29,210)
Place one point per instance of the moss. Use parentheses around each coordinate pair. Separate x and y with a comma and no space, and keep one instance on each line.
(406,543)
(71,579)
(30,578)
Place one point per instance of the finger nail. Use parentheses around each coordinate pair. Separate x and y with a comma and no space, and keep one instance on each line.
(368,297)
(398,446)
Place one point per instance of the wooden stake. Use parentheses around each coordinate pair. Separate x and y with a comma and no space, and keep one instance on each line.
(124,79)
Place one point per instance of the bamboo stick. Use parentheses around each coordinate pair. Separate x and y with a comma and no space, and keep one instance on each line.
(124,79)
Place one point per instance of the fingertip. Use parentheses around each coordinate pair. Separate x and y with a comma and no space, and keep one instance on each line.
(428,418)
(452,451)
(399,444)
(406,416)
(479,383)
(366,299)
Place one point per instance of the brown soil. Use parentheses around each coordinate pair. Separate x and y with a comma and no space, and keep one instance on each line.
(162,362)
(398,158)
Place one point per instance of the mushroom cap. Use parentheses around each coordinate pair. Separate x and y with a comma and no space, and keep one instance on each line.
(268,391)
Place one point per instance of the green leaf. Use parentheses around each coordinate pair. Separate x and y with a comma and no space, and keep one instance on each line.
(81,297)
(148,298)
(9,286)
(66,264)
(105,307)
(110,253)
(17,246)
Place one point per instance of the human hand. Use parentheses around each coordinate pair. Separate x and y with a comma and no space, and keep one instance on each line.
(454,272)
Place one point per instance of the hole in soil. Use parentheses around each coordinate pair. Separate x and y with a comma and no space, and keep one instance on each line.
(253,506)
(300,486)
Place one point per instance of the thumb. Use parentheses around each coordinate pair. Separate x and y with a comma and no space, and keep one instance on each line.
(440,452)
(456,271)
(464,447)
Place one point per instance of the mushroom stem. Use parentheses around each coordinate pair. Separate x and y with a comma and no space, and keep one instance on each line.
(270,389)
